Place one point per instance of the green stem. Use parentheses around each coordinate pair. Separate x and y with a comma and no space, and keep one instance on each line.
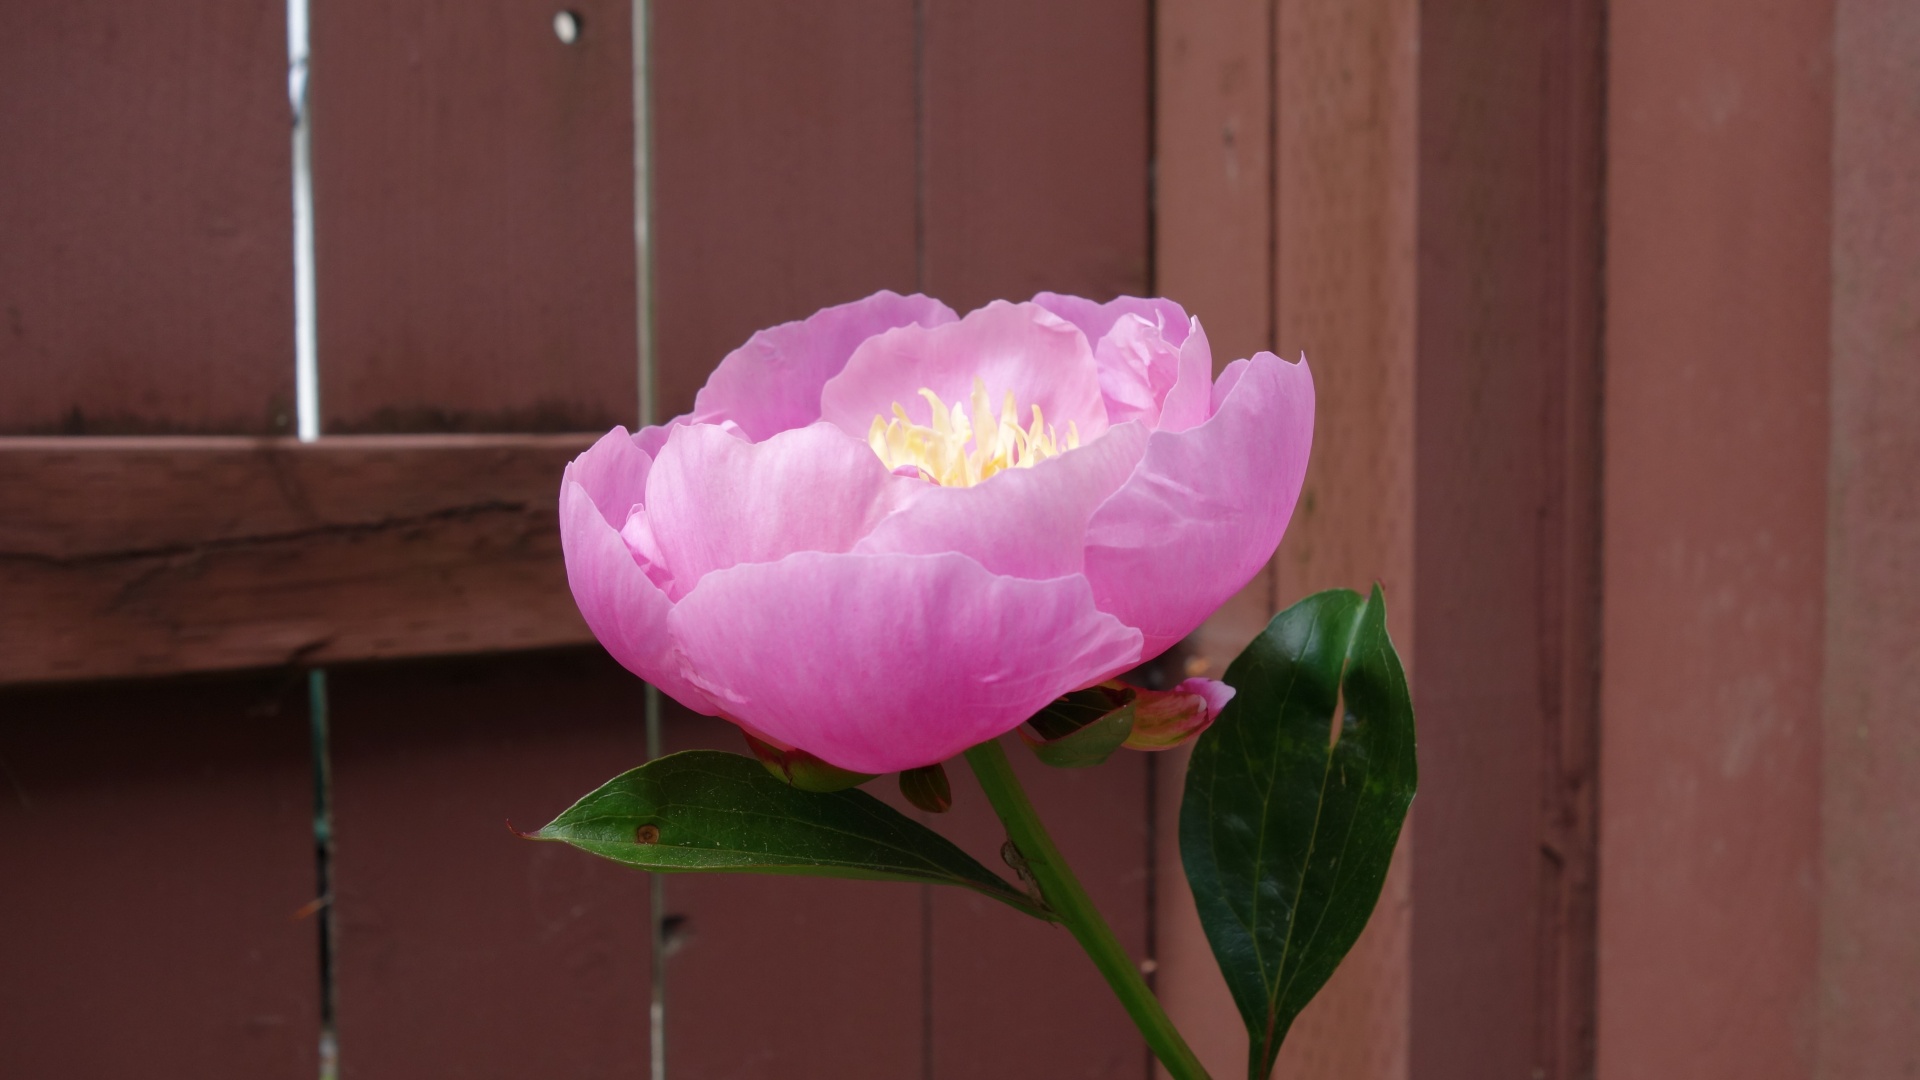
(1063,893)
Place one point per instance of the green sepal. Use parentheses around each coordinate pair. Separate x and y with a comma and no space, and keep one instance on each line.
(1294,801)
(1081,729)
(705,811)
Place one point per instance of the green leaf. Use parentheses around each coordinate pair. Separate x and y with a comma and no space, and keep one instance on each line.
(704,811)
(1285,838)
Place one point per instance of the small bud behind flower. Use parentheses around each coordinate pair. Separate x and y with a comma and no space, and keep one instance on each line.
(1085,727)
(802,770)
(927,788)
(1163,719)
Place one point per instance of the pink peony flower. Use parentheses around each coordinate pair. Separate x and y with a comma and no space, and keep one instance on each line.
(885,534)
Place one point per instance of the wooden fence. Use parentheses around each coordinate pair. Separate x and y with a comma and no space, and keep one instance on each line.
(1610,306)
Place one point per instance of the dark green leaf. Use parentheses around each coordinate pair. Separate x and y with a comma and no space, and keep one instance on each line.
(708,811)
(1285,838)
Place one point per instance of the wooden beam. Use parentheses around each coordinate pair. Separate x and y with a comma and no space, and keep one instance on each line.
(152,556)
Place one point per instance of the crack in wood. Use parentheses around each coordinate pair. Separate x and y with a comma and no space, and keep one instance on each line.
(466,511)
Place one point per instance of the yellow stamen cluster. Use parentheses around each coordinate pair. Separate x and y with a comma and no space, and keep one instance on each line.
(940,451)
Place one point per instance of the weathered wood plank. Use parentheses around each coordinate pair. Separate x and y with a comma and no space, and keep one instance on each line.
(150,556)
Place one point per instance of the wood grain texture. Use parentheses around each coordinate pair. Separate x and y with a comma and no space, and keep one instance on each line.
(1870,873)
(464,950)
(473,191)
(1719,189)
(786,169)
(135,556)
(146,278)
(157,840)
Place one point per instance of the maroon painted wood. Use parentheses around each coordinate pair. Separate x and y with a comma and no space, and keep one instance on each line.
(1504,496)
(157,840)
(775,977)
(463,950)
(146,277)
(1869,933)
(473,187)
(1719,194)
(1015,997)
(1036,148)
(786,170)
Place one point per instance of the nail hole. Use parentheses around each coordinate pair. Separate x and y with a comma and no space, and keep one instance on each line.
(567,26)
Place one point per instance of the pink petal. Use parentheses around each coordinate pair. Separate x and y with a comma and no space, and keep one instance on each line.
(1206,507)
(622,608)
(613,472)
(1025,523)
(1137,368)
(1041,358)
(1096,320)
(714,500)
(772,383)
(878,663)
(1213,691)
(1190,401)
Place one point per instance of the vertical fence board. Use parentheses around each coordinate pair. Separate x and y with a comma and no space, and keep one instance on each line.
(473,188)
(1719,181)
(1870,928)
(1344,294)
(785,177)
(462,950)
(777,977)
(1016,997)
(157,840)
(1036,143)
(1507,344)
(146,274)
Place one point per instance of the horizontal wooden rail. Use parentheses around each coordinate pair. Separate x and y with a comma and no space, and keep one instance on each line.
(152,556)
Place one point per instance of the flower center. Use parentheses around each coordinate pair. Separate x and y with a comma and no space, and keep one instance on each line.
(940,452)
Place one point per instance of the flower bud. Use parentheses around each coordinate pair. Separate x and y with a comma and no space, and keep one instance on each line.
(802,770)
(927,788)
(1163,719)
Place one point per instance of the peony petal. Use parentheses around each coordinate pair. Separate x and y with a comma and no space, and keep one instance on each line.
(1137,368)
(1021,348)
(772,383)
(878,663)
(1190,400)
(622,608)
(1096,320)
(613,472)
(1206,508)
(1025,523)
(714,500)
